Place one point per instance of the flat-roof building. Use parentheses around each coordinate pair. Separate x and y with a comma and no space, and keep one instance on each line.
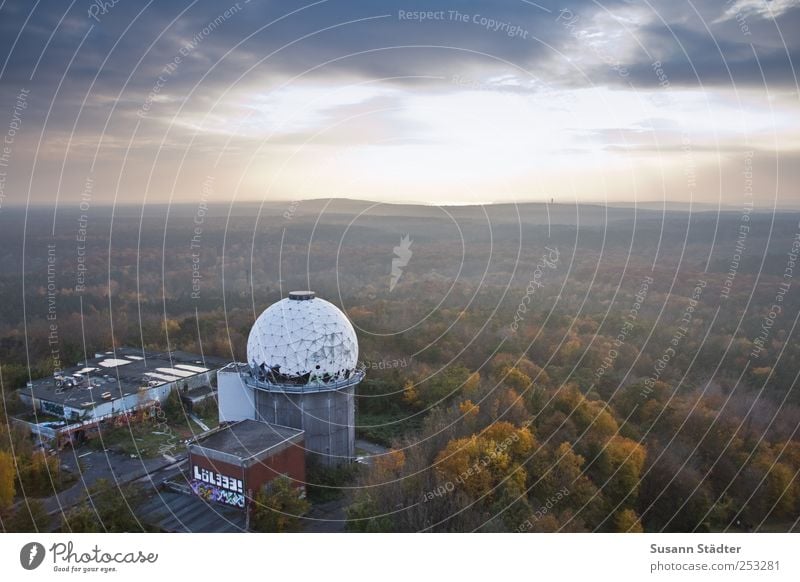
(230,464)
(109,384)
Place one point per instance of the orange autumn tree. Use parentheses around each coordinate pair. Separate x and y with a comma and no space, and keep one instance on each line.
(485,462)
(390,464)
(469,409)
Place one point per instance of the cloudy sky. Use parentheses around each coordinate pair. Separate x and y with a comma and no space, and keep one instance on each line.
(468,102)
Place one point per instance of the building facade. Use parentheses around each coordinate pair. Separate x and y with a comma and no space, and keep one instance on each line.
(70,405)
(231,464)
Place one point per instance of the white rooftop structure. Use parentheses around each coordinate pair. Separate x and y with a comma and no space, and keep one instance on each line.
(197,369)
(164,377)
(176,372)
(113,363)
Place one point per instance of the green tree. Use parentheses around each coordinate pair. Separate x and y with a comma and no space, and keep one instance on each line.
(14,376)
(445,385)
(82,519)
(109,508)
(173,408)
(39,473)
(279,507)
(365,516)
(30,517)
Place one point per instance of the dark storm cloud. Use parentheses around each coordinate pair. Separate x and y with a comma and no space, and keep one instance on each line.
(722,55)
(115,58)
(332,29)
(133,41)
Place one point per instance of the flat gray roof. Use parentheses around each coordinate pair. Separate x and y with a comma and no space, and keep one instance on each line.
(121,372)
(245,439)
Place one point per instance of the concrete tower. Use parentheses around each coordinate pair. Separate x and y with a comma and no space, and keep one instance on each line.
(301,372)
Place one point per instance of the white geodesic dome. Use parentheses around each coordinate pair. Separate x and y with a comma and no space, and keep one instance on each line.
(302,339)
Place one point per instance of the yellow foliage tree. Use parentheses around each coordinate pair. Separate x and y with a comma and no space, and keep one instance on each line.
(570,349)
(410,394)
(481,462)
(6,480)
(468,409)
(502,363)
(472,384)
(779,491)
(626,521)
(624,463)
(517,380)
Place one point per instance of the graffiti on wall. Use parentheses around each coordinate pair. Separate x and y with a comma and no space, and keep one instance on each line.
(217,494)
(218,479)
(52,408)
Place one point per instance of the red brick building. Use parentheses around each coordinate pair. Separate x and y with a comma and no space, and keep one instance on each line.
(230,464)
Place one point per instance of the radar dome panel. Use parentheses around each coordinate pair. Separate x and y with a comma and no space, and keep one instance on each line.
(302,339)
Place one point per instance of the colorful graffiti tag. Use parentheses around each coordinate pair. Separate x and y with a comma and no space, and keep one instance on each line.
(217,494)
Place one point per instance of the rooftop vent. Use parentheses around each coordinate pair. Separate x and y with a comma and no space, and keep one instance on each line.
(301,295)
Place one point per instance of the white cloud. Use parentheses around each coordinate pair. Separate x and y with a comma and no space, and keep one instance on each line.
(766,9)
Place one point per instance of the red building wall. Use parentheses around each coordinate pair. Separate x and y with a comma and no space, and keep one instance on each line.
(241,483)
(290,461)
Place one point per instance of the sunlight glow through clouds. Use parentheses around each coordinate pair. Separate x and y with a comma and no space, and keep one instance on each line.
(456,144)
(501,119)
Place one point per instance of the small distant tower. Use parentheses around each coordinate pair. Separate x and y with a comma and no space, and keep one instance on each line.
(301,372)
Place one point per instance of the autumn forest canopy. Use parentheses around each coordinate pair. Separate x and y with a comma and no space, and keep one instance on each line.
(530,368)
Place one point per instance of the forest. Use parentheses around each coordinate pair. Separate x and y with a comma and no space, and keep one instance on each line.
(534,368)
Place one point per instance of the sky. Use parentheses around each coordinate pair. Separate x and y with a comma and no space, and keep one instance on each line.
(469,102)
